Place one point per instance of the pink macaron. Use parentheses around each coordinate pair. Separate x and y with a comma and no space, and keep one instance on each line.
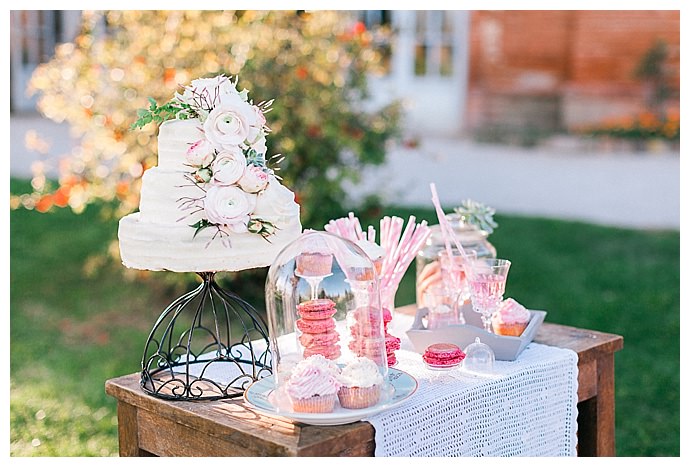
(392,342)
(320,308)
(330,352)
(315,326)
(387,316)
(328,338)
(443,356)
(364,314)
(392,360)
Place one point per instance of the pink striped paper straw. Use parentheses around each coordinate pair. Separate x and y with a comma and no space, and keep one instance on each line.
(448,233)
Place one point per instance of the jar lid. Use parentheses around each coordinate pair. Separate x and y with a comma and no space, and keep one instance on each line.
(465,231)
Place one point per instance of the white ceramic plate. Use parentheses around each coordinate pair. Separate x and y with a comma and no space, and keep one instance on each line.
(257,396)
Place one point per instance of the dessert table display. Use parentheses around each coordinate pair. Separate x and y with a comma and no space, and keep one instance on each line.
(329,353)
(230,427)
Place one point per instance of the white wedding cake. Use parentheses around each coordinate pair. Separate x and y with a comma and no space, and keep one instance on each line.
(212,203)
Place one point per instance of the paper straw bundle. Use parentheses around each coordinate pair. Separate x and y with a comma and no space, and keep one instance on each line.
(401,245)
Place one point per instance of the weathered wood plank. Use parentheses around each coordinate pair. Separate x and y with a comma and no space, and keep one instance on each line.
(127,430)
(354,439)
(587,380)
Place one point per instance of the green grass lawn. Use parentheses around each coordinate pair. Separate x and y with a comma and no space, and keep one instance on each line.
(76,322)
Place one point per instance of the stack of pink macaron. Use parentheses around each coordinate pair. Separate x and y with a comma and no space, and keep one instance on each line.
(392,342)
(366,335)
(317,326)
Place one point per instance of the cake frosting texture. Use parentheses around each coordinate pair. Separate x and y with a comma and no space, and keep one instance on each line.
(181,224)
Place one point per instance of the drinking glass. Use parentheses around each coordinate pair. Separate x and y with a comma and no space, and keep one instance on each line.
(440,305)
(454,275)
(487,281)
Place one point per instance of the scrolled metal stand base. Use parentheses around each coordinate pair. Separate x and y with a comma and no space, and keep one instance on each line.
(208,344)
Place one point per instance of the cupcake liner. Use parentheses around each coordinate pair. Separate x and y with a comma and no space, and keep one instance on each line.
(358,397)
(314,404)
(503,329)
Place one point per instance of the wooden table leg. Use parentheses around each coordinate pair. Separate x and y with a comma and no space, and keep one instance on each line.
(596,419)
(606,407)
(128,431)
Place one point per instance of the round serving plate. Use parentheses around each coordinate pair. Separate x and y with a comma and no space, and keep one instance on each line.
(258,397)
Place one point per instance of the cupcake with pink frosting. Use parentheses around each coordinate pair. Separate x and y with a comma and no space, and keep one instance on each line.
(313,385)
(510,319)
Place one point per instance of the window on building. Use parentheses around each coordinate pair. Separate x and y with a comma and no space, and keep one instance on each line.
(433,44)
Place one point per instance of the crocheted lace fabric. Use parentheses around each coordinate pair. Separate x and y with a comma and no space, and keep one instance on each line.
(527,407)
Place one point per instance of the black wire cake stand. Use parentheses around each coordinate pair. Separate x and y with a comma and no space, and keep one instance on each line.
(207,344)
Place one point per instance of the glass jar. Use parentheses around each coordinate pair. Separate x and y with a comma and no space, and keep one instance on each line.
(427,264)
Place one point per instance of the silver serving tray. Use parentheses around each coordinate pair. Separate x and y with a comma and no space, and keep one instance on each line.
(462,335)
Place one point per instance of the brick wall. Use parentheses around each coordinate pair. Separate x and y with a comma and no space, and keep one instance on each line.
(559,69)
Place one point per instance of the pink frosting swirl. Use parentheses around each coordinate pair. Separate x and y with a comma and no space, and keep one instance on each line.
(511,312)
(314,376)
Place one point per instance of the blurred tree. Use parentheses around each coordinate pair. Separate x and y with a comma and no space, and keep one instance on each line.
(313,64)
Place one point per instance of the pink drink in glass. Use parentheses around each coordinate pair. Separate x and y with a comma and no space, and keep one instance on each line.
(487,289)
(487,282)
(453,273)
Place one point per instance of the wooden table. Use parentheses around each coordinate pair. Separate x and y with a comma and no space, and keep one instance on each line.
(151,426)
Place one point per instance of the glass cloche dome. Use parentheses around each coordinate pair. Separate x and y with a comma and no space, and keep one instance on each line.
(325,322)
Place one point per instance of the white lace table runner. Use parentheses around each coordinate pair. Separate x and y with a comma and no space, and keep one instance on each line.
(527,408)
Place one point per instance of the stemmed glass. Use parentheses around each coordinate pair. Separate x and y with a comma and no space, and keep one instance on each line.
(487,281)
(454,274)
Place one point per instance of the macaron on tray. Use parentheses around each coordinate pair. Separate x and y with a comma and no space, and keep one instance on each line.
(505,347)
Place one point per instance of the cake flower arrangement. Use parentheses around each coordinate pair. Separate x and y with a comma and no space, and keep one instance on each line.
(228,164)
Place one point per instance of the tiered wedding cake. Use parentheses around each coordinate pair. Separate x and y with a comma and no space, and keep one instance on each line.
(212,203)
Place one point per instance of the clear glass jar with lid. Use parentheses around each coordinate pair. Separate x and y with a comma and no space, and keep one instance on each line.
(471,237)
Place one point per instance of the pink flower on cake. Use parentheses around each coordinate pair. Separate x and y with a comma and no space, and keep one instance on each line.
(229,167)
(200,154)
(230,122)
(229,206)
(253,180)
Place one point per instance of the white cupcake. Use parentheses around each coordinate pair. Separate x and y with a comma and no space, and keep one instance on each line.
(361,383)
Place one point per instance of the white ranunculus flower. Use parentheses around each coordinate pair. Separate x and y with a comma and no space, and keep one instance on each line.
(229,206)
(253,180)
(200,154)
(229,166)
(204,92)
(230,122)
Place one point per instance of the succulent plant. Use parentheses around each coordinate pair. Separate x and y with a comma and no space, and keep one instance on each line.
(477,214)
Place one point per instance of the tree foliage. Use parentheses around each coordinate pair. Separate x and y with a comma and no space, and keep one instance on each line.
(314,65)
